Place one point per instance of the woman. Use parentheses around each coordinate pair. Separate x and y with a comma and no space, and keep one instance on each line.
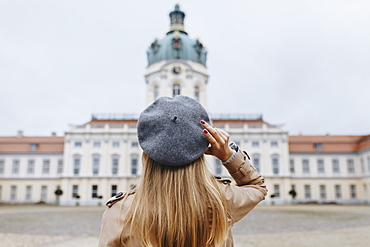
(178,201)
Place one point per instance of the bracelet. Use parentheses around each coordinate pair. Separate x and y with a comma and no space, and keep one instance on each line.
(230,159)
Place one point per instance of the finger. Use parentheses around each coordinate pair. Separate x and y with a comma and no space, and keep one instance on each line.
(209,137)
(213,131)
(224,134)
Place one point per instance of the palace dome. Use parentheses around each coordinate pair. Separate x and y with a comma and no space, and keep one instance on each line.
(177,44)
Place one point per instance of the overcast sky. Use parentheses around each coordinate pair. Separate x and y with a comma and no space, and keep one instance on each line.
(304,64)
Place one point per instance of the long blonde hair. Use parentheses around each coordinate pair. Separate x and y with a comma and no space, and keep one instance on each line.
(178,206)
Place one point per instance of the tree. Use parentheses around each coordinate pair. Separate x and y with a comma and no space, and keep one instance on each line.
(58,192)
(293,193)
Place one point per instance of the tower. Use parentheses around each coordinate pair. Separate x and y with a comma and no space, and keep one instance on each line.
(176,64)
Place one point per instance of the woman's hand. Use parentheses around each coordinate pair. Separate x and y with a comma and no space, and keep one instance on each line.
(219,140)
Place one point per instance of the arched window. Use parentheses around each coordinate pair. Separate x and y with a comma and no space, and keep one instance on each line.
(196,92)
(256,161)
(115,165)
(134,164)
(76,164)
(275,164)
(156,92)
(95,164)
(176,90)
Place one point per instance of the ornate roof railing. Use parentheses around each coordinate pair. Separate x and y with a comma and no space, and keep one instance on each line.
(236,116)
(115,116)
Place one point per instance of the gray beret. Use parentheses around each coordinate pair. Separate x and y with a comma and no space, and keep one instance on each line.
(169,130)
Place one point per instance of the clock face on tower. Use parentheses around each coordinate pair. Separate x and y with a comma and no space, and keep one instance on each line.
(176,70)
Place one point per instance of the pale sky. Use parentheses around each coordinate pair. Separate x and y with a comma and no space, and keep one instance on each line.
(304,64)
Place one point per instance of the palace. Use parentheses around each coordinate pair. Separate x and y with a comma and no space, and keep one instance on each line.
(95,160)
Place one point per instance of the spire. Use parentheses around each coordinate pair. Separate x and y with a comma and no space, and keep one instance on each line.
(177,20)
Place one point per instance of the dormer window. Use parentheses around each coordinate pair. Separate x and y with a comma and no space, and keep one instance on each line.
(33,147)
(318,146)
(156,92)
(196,93)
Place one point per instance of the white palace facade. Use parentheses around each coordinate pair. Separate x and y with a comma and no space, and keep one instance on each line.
(95,160)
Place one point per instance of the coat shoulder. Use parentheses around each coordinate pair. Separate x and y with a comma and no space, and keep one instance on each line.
(118,197)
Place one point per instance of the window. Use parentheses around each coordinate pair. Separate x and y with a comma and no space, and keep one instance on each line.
(1,193)
(28,193)
(320,166)
(31,167)
(15,169)
(115,144)
(335,163)
(255,144)
(60,166)
(274,144)
(134,144)
(76,165)
(256,162)
(33,147)
(318,146)
(218,167)
(114,190)
(307,191)
(368,163)
(46,167)
(362,165)
(322,191)
(156,92)
(352,189)
(96,144)
(115,165)
(95,165)
(277,190)
(134,165)
(94,193)
(236,125)
(275,165)
(255,126)
(2,166)
(338,191)
(291,166)
(176,90)
(13,193)
(44,190)
(305,166)
(74,191)
(350,166)
(196,92)
(78,144)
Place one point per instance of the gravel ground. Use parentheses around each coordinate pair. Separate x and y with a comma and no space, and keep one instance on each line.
(297,225)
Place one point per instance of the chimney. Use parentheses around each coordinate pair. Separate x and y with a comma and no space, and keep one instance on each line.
(53,134)
(20,134)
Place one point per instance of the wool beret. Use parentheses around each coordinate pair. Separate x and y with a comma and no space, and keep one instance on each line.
(169,130)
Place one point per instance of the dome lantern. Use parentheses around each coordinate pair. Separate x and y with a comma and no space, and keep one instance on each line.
(177,20)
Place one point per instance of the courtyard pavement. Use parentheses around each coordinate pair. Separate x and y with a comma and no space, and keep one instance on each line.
(270,226)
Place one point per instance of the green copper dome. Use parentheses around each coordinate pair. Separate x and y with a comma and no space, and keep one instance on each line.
(177,44)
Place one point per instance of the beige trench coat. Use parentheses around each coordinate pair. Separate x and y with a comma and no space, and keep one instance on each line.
(242,197)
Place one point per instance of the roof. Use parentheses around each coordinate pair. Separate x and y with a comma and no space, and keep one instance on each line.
(28,144)
(328,143)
